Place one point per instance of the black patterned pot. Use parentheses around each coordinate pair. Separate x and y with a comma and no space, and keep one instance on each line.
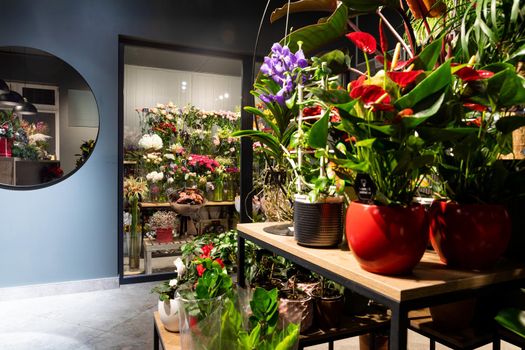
(318,224)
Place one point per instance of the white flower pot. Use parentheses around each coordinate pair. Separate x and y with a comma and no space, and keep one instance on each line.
(169,314)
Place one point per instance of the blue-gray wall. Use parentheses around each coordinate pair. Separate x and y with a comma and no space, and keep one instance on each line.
(69,231)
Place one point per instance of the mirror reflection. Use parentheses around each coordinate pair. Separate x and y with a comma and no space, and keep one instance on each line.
(48,118)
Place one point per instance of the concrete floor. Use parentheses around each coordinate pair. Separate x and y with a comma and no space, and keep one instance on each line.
(108,319)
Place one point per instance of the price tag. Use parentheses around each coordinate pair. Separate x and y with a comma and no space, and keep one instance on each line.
(365,188)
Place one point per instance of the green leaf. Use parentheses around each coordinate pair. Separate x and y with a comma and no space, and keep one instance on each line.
(512,319)
(436,81)
(368,143)
(263,116)
(508,124)
(267,139)
(506,88)
(428,58)
(336,61)
(336,97)
(316,35)
(347,107)
(318,135)
(385,129)
(421,116)
(518,53)
(445,134)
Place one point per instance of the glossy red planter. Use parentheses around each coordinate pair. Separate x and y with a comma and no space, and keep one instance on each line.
(387,240)
(469,236)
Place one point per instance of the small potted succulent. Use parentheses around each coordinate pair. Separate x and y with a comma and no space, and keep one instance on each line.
(168,305)
(163,222)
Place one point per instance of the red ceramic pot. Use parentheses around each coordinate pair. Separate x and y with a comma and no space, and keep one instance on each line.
(387,240)
(6,147)
(470,236)
(164,235)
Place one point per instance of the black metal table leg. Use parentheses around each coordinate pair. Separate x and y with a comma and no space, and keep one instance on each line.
(155,337)
(241,256)
(398,328)
(330,345)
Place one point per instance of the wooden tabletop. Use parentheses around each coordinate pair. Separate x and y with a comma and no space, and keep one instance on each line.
(169,340)
(167,204)
(429,278)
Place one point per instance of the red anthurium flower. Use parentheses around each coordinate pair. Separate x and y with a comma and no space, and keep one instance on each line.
(372,93)
(476,122)
(404,78)
(470,74)
(353,85)
(364,41)
(385,107)
(383,41)
(475,107)
(349,138)
(200,270)
(404,113)
(312,111)
(206,250)
(219,260)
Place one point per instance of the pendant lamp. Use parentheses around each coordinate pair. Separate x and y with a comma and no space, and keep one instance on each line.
(4,89)
(25,108)
(11,99)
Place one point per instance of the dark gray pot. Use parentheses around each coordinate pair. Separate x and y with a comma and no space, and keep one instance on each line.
(318,224)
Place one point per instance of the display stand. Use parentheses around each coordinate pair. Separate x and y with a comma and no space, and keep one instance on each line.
(431,283)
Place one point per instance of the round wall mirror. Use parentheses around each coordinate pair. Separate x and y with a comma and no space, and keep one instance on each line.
(48,118)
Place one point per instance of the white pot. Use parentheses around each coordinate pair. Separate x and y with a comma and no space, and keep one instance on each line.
(169,314)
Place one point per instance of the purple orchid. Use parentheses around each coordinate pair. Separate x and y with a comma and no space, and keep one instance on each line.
(281,67)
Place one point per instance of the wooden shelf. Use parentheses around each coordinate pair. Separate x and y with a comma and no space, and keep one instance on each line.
(153,205)
(429,278)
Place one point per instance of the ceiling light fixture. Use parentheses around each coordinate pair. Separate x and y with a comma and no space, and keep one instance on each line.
(4,89)
(11,99)
(25,108)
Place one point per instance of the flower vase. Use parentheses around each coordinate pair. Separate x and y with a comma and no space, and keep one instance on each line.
(154,192)
(218,191)
(135,238)
(200,322)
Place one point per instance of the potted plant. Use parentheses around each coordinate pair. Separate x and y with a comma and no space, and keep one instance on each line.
(297,307)
(134,190)
(379,152)
(470,226)
(168,304)
(302,279)
(162,222)
(328,303)
(201,304)
(263,329)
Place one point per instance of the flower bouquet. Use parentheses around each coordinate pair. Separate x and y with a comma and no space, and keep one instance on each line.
(186,201)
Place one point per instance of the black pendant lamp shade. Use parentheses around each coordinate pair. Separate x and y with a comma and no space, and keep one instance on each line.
(25,108)
(11,99)
(4,89)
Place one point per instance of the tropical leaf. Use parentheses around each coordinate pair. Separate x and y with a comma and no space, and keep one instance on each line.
(428,58)
(316,35)
(318,135)
(336,97)
(421,116)
(437,80)
(263,116)
(266,139)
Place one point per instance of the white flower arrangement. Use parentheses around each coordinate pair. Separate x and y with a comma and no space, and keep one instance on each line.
(181,268)
(155,176)
(38,138)
(169,156)
(150,142)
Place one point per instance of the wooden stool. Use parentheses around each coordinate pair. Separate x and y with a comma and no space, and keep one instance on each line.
(151,245)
